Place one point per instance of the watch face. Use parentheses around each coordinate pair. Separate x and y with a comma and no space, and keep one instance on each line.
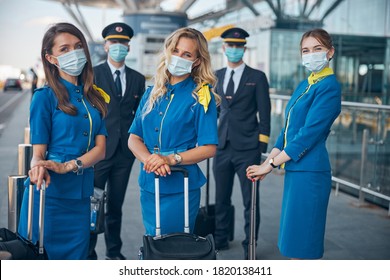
(177,158)
(79,163)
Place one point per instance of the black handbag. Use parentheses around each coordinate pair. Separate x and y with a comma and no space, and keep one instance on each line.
(176,246)
(98,201)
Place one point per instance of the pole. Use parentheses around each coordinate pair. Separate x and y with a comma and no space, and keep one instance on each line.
(15,196)
(25,152)
(363,165)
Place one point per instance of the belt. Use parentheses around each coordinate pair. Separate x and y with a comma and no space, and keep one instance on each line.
(60,157)
(165,153)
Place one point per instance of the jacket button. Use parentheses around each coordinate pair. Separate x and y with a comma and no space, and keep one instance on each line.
(78,100)
(85,133)
(77,90)
(85,116)
(161,113)
(156,129)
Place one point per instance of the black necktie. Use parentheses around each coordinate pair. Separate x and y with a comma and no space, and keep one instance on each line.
(118,83)
(230,88)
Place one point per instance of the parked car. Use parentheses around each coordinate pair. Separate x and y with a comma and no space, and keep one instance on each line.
(12,83)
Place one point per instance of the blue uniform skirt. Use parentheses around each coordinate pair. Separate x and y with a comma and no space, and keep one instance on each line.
(171,211)
(303,216)
(67,229)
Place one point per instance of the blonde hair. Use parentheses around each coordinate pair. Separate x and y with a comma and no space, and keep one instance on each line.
(201,74)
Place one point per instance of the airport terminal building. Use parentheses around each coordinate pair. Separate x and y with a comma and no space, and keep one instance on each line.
(359,141)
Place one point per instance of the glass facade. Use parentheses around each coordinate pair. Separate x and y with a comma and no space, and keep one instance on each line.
(361,37)
(370,168)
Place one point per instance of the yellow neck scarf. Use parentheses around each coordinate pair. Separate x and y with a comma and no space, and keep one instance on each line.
(315,77)
(102,93)
(204,96)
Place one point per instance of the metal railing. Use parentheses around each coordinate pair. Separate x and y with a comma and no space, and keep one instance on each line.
(358,146)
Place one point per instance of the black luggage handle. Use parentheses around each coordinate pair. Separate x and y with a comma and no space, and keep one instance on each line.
(176,169)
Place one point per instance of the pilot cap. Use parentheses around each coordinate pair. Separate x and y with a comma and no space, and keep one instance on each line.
(235,36)
(118,31)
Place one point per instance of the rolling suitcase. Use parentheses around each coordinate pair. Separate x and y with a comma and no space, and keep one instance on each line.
(205,221)
(176,246)
(17,246)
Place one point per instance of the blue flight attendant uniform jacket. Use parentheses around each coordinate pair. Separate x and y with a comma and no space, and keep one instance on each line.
(67,137)
(310,113)
(177,123)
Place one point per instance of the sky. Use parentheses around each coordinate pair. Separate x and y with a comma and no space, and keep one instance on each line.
(24,22)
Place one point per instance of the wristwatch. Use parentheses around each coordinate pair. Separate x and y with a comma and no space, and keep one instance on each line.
(79,167)
(177,158)
(271,162)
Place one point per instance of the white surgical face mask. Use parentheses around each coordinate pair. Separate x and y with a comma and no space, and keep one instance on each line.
(72,63)
(315,62)
(179,66)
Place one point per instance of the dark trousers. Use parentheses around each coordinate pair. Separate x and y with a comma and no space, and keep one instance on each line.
(227,163)
(115,172)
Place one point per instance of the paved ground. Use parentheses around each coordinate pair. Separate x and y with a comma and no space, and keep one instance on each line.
(352,232)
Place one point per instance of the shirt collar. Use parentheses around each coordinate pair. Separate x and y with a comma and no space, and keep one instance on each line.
(113,68)
(316,77)
(71,87)
(237,70)
(180,85)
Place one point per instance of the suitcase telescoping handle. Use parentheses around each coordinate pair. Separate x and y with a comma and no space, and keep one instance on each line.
(252,238)
(186,200)
(30,216)
(207,185)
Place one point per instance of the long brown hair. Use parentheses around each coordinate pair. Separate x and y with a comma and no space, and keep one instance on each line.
(53,76)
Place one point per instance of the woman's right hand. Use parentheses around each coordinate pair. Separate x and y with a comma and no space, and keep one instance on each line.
(258,172)
(37,174)
(157,163)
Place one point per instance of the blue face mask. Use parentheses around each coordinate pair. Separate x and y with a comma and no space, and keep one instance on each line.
(234,54)
(118,52)
(72,63)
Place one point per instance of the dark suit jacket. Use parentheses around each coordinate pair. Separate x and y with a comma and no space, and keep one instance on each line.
(239,118)
(121,112)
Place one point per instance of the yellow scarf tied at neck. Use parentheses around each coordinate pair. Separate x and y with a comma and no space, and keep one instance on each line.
(315,77)
(105,96)
(204,96)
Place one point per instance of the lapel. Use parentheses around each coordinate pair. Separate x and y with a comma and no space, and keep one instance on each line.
(111,82)
(220,88)
(241,85)
(128,82)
